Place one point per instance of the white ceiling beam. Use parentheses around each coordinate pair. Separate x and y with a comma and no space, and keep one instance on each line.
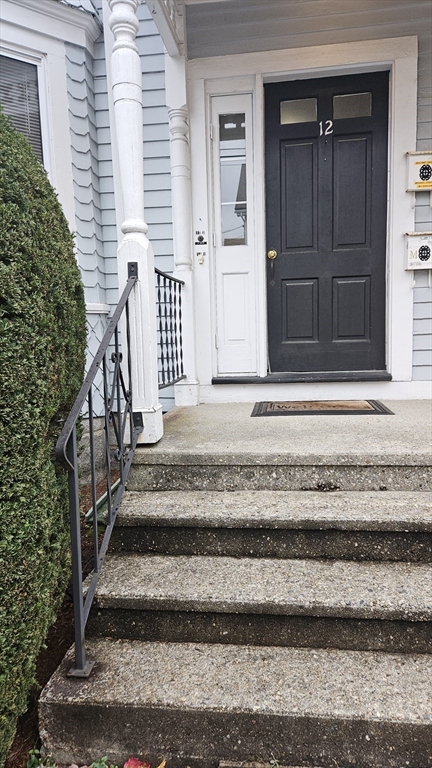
(169,23)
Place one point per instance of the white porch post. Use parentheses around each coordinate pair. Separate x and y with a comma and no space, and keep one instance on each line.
(135,246)
(186,391)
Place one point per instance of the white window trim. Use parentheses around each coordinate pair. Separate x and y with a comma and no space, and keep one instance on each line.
(93,308)
(53,19)
(39,61)
(212,75)
(35,31)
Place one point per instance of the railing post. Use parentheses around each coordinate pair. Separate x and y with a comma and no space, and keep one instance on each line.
(187,391)
(82,667)
(135,246)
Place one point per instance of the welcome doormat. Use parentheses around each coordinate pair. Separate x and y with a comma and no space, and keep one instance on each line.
(321,408)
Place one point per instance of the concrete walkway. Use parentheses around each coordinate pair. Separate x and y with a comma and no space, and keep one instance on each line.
(228,429)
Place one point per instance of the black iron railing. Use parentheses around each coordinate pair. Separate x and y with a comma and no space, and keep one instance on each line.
(169,329)
(112,365)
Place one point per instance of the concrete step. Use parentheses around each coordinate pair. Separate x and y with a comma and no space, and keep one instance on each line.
(385,606)
(274,764)
(225,472)
(352,525)
(199,704)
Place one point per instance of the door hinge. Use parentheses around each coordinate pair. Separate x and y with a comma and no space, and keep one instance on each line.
(211,131)
(216,341)
(214,239)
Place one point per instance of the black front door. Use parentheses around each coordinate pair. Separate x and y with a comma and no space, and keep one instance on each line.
(326,183)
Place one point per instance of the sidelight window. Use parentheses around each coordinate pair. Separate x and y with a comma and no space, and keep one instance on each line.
(232,157)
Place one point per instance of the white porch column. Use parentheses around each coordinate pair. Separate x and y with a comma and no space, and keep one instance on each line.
(135,246)
(186,391)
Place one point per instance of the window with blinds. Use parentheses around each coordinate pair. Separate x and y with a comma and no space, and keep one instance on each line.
(19,97)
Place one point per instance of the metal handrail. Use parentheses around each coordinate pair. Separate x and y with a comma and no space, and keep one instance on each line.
(61,445)
(169,329)
(118,417)
(170,277)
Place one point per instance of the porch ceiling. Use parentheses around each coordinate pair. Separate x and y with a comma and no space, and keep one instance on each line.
(169,16)
(224,27)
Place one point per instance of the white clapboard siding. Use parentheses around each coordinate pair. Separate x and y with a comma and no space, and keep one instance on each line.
(85,166)
(422,309)
(88,204)
(106,182)
(422,339)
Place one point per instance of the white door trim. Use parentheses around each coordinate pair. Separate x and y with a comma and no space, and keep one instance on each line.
(234,262)
(214,75)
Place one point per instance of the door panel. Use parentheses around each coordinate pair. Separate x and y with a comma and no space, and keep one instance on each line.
(351,308)
(300,310)
(298,210)
(351,198)
(235,309)
(326,177)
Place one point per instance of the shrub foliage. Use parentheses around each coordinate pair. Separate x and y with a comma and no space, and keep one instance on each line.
(42,346)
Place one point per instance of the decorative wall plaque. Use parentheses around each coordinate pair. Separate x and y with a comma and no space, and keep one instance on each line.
(419,171)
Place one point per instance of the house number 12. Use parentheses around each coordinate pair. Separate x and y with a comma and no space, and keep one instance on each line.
(328,127)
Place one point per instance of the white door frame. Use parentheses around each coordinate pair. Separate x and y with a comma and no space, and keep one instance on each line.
(207,77)
(234,270)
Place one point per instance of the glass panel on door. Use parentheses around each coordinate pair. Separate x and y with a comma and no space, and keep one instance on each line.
(298,111)
(232,156)
(352,105)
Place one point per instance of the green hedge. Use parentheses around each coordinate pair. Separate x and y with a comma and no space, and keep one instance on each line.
(42,347)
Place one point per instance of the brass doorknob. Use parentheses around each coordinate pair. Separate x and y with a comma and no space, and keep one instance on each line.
(271,254)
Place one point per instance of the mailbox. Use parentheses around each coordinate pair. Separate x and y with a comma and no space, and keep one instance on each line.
(419,250)
(419,171)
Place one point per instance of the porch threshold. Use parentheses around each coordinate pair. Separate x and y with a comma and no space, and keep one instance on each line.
(299,377)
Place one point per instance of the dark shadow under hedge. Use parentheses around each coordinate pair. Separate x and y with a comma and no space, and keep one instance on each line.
(42,347)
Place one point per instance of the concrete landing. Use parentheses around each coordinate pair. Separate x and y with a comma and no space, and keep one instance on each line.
(228,430)
(222,448)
